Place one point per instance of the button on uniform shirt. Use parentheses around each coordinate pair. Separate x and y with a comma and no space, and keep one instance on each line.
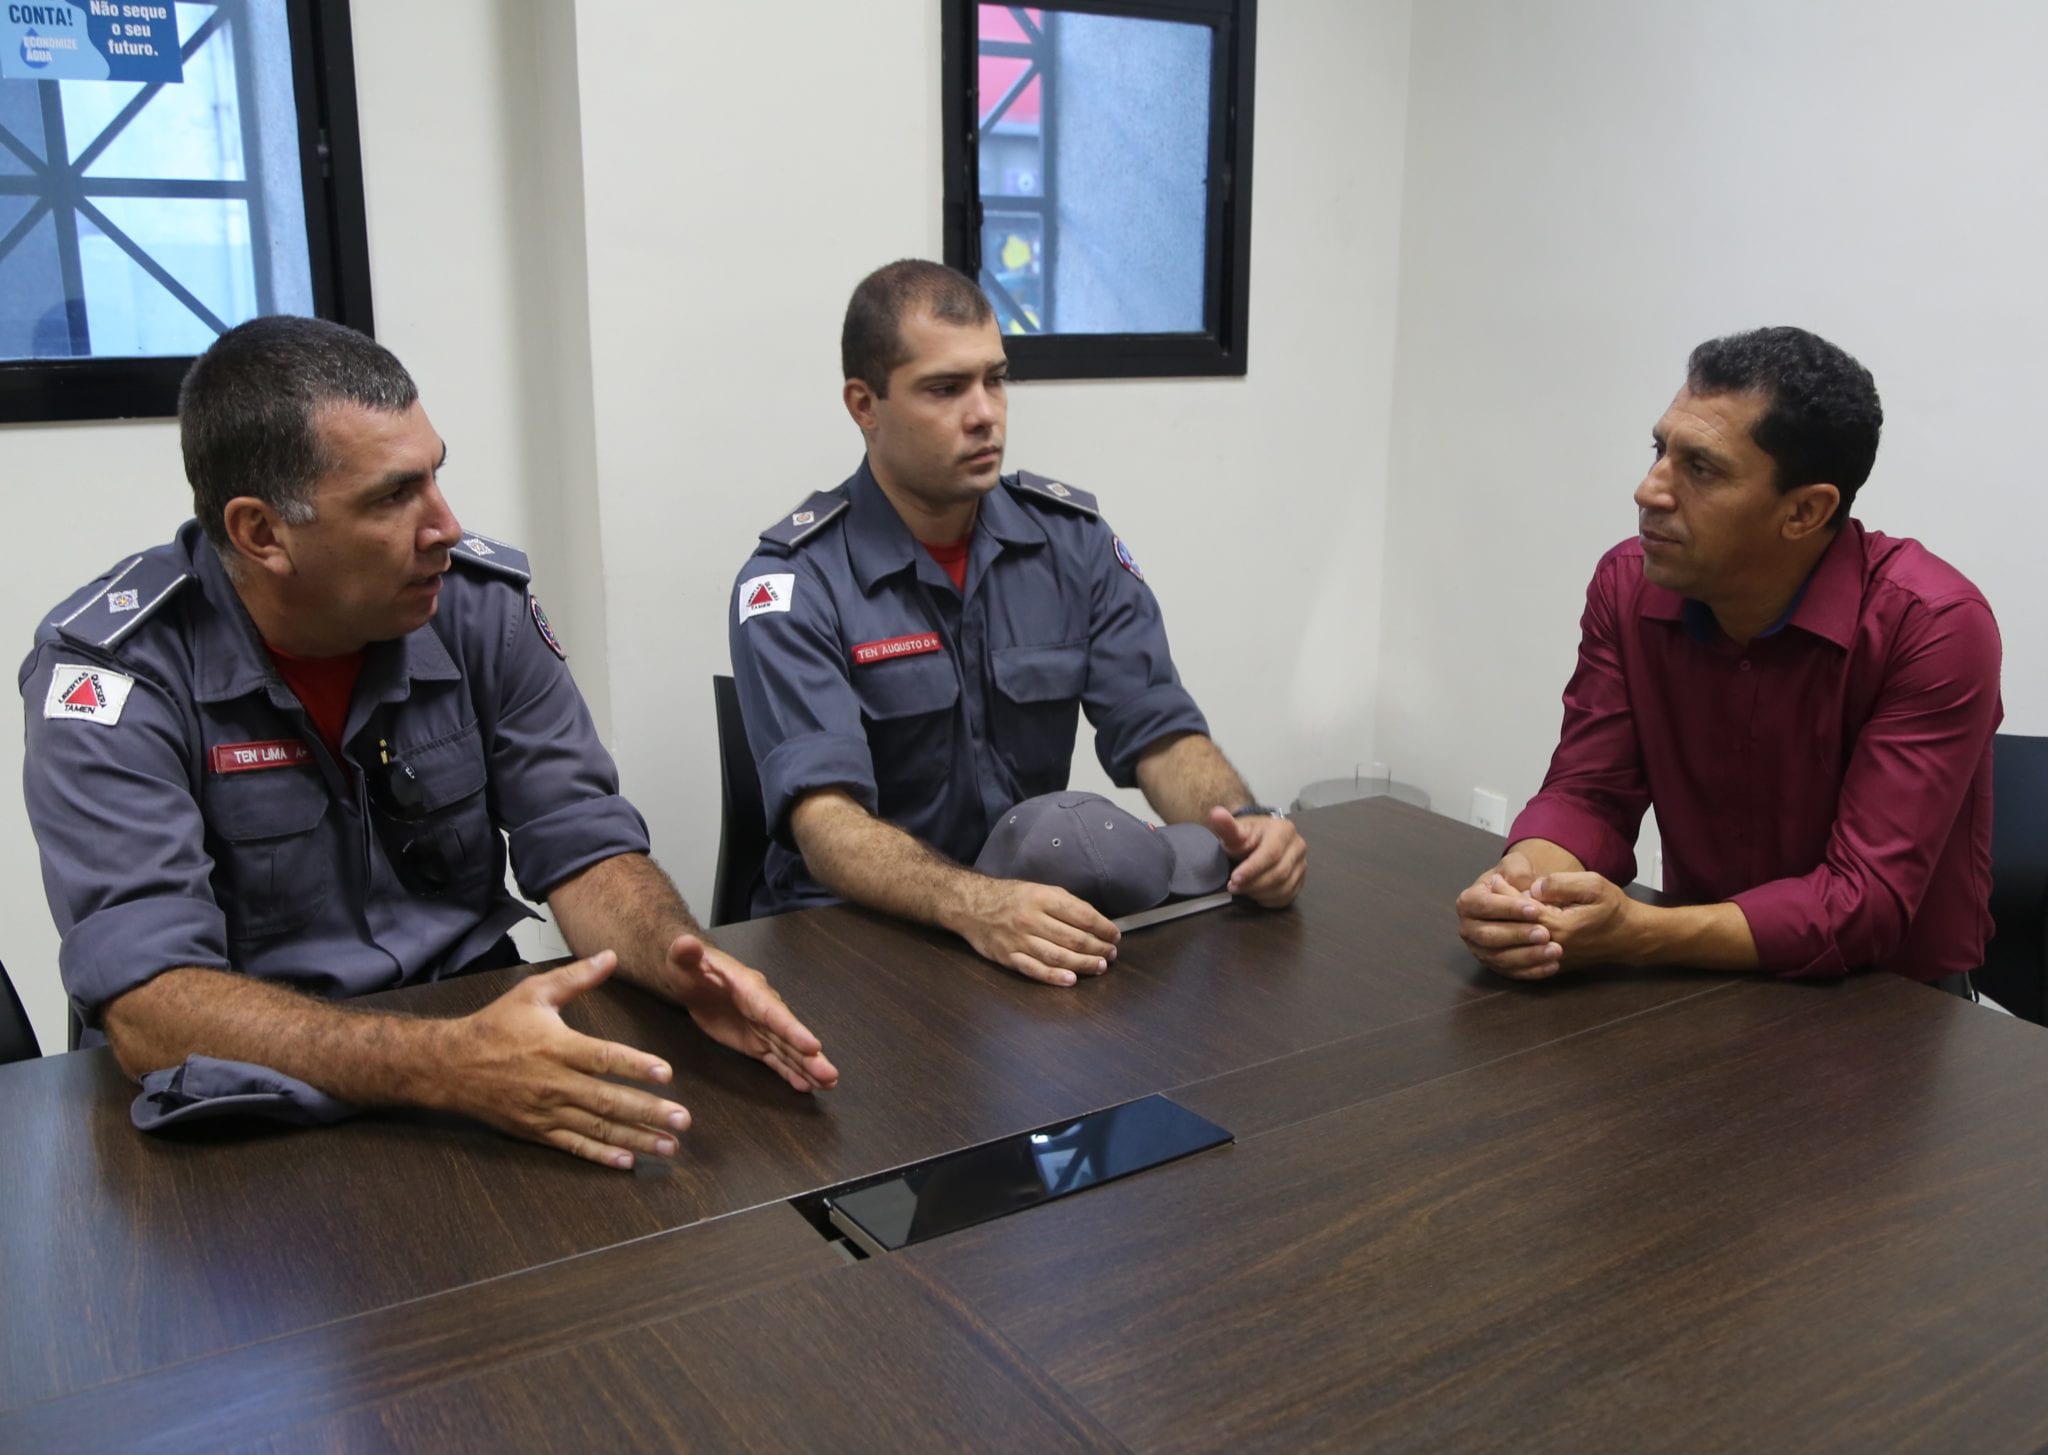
(1832,777)
(860,665)
(187,812)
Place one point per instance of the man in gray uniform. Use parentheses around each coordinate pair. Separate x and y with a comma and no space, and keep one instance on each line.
(913,648)
(273,764)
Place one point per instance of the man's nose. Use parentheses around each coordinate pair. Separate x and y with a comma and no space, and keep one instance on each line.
(440,529)
(1655,491)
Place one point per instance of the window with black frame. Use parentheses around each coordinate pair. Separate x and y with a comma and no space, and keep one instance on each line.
(1098,180)
(166,172)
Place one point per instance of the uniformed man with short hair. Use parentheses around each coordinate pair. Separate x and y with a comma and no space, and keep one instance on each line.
(912,650)
(274,764)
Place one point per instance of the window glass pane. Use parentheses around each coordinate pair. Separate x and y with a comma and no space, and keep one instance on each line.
(170,172)
(189,130)
(130,311)
(202,242)
(33,324)
(1012,247)
(1094,151)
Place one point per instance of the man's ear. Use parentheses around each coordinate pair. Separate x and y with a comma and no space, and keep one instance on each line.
(255,536)
(1813,508)
(860,403)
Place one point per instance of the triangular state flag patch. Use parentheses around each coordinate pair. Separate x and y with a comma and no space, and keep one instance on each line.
(760,594)
(82,691)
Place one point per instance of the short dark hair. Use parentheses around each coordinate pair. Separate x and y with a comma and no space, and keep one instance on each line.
(871,341)
(246,411)
(1824,417)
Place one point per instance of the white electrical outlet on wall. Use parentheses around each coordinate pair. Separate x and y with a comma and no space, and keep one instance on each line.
(1490,810)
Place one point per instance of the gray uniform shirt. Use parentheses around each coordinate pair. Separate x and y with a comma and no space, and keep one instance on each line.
(860,665)
(187,812)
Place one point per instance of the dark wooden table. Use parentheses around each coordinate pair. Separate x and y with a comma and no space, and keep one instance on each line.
(1617,1211)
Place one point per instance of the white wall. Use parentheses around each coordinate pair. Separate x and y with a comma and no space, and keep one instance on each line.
(1593,186)
(743,166)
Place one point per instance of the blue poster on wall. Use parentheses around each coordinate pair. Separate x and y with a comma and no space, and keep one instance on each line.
(89,40)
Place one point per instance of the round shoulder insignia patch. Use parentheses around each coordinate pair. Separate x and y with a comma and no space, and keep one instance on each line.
(1123,558)
(547,633)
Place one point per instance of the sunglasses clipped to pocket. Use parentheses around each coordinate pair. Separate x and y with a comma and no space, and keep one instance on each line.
(398,804)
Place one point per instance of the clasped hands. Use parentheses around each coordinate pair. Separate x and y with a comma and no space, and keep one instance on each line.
(1530,926)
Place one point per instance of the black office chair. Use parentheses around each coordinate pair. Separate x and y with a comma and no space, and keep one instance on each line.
(17,1037)
(743,827)
(2015,972)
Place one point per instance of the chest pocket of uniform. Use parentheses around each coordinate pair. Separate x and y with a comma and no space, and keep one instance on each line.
(273,864)
(1041,692)
(908,707)
(446,846)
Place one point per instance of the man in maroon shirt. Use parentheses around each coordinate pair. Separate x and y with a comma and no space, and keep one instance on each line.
(1808,705)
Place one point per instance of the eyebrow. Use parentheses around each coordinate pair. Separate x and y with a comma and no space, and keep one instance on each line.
(956,376)
(411,477)
(1662,439)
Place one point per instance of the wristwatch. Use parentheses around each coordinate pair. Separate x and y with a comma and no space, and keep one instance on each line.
(1257,810)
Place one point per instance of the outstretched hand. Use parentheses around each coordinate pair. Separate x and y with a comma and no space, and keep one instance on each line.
(735,1006)
(518,1067)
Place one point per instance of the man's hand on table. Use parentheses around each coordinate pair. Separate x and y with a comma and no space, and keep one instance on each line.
(1037,930)
(516,1066)
(1270,855)
(735,1006)
(1500,924)
(1529,926)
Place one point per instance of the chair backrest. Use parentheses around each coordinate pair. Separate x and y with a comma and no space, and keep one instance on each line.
(743,827)
(2015,972)
(17,1037)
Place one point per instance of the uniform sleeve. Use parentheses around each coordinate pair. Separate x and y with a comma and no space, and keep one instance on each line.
(1594,795)
(1906,781)
(120,834)
(791,669)
(553,787)
(1133,695)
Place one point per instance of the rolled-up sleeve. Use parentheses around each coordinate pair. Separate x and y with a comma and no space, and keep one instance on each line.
(1133,695)
(1593,798)
(1906,782)
(554,789)
(796,695)
(121,839)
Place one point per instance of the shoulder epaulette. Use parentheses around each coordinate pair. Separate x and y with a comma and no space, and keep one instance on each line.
(817,512)
(489,555)
(127,598)
(1052,492)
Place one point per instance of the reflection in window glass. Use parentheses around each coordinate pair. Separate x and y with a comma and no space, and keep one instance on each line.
(1093,148)
(141,220)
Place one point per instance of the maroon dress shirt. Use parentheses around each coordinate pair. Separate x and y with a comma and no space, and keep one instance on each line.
(1832,777)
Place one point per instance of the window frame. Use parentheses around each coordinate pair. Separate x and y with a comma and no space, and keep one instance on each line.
(1220,349)
(34,391)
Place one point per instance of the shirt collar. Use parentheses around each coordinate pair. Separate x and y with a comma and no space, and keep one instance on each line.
(879,544)
(232,662)
(1827,603)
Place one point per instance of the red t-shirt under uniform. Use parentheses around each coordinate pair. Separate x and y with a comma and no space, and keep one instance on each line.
(953,559)
(324,686)
(1832,777)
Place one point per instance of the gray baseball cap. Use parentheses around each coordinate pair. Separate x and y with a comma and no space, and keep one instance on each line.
(1091,848)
